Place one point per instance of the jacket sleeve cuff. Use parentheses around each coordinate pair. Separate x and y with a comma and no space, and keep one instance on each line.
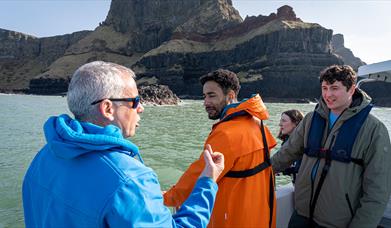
(207,181)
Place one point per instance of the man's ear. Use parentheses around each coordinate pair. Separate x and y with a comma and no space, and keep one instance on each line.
(352,89)
(106,109)
(231,96)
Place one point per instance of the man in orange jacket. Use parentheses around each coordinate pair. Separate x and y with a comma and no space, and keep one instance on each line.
(246,193)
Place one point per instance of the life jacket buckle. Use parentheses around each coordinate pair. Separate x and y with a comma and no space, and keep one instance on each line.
(323,152)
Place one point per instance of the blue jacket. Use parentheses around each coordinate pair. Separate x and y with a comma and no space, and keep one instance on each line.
(86,176)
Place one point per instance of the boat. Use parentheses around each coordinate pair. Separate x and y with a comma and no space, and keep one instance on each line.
(375,72)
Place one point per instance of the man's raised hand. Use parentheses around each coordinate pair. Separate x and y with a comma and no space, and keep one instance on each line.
(214,163)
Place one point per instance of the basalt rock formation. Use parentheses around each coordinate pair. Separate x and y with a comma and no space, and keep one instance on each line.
(23,57)
(379,91)
(347,56)
(273,55)
(150,23)
(174,42)
(133,28)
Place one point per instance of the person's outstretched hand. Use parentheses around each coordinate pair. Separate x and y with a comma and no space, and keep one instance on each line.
(214,163)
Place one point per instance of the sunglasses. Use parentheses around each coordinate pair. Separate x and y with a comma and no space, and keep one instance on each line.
(135,100)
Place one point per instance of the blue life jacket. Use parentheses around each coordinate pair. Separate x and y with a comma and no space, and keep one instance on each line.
(342,149)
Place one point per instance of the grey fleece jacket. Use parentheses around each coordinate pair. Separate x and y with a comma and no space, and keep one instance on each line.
(366,188)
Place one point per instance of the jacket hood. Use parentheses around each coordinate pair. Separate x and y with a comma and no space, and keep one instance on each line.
(68,138)
(360,100)
(253,106)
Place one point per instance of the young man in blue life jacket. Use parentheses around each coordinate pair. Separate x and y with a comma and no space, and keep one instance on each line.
(87,174)
(344,179)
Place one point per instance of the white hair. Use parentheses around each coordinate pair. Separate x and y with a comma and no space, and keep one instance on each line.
(94,81)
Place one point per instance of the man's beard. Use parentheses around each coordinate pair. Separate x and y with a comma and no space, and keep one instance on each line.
(217,114)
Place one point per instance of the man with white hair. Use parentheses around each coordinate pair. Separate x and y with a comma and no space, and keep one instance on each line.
(87,174)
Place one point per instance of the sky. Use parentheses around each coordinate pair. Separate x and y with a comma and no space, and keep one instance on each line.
(365,24)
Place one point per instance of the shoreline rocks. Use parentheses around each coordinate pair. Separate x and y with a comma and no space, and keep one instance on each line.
(158,95)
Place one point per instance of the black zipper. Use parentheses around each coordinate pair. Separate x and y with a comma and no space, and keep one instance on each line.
(350,205)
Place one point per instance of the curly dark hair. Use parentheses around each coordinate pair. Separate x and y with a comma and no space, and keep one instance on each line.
(343,73)
(227,80)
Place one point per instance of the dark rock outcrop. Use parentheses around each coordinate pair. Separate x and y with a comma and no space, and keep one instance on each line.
(157,94)
(48,86)
(347,56)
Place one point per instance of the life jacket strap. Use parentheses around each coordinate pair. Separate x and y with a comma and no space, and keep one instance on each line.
(314,199)
(322,153)
(248,172)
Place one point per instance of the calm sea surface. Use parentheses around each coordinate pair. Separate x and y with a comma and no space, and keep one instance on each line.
(170,138)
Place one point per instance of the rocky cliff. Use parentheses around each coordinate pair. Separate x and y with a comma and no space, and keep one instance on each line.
(379,91)
(150,23)
(270,53)
(347,56)
(173,43)
(23,57)
(131,29)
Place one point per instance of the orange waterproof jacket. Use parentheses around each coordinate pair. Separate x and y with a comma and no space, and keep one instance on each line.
(240,202)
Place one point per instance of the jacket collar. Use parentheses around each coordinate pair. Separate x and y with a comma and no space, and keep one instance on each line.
(253,106)
(70,138)
(360,100)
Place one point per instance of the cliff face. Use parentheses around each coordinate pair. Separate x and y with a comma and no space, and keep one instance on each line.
(15,45)
(270,53)
(130,30)
(379,91)
(150,23)
(22,57)
(173,43)
(347,56)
